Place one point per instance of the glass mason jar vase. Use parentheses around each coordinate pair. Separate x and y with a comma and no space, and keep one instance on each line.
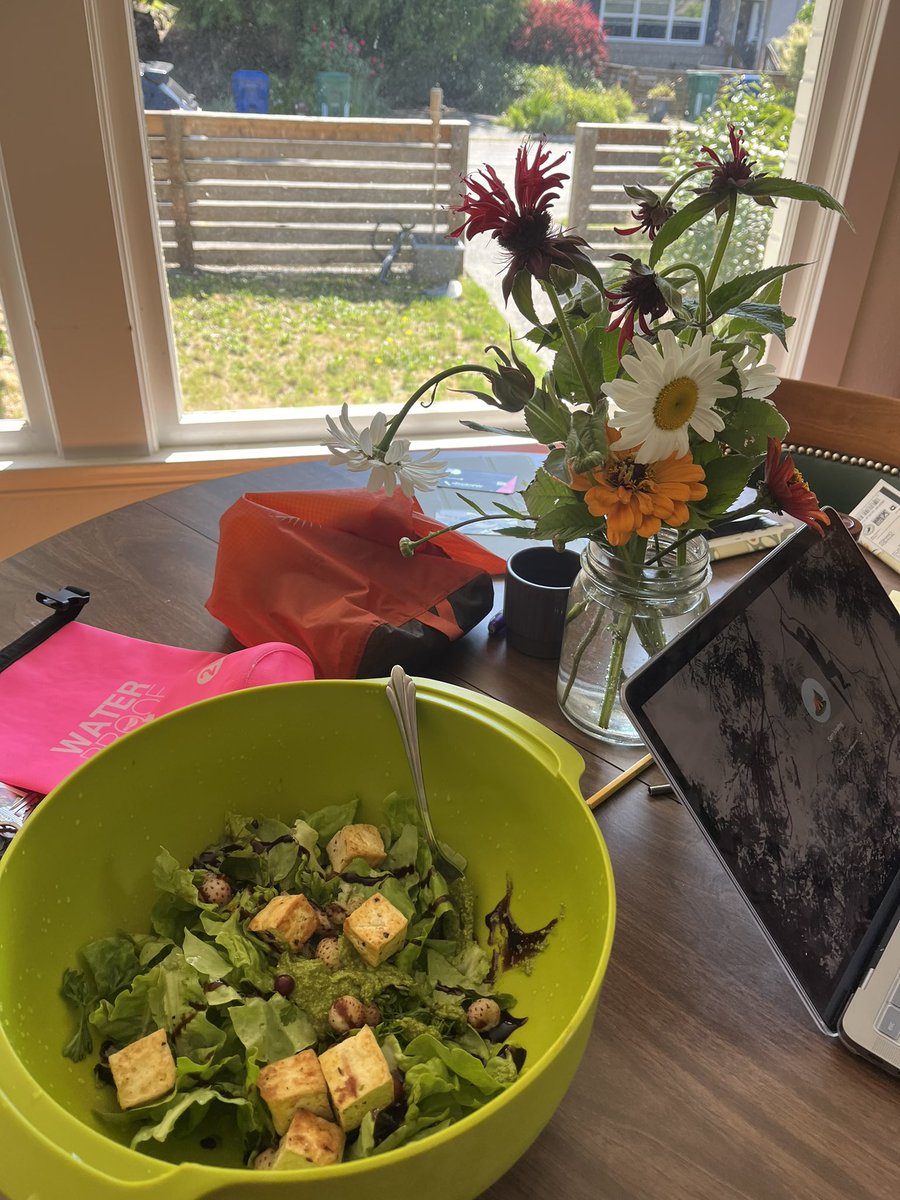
(621,611)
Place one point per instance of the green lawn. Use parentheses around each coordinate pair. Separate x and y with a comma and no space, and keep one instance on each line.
(260,342)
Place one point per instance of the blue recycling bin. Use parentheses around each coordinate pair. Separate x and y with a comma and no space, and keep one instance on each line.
(251,91)
(750,83)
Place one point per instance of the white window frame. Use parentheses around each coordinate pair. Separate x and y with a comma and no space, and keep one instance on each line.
(670,21)
(36,432)
(150,405)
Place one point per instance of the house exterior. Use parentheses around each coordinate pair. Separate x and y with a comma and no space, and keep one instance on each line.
(680,34)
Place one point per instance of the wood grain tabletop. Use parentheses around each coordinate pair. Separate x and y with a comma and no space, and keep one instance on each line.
(704,1078)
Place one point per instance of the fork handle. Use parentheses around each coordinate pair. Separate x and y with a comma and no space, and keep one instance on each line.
(401,693)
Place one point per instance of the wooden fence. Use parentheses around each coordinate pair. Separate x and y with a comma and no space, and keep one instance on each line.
(607,157)
(262,192)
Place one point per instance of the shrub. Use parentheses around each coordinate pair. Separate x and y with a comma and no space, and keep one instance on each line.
(549,103)
(662,91)
(767,125)
(565,33)
(791,50)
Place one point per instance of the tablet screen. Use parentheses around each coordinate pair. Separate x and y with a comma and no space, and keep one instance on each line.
(781,724)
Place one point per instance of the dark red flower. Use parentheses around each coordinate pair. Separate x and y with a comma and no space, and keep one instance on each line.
(787,490)
(525,232)
(638,298)
(730,174)
(650,215)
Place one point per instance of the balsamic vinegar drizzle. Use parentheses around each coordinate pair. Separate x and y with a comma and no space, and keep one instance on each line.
(511,945)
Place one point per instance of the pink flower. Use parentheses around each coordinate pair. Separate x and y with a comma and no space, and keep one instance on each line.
(332,45)
(362,41)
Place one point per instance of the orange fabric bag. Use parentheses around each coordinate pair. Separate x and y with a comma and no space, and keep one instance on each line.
(323,571)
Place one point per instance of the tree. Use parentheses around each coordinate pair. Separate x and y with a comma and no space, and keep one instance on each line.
(461,46)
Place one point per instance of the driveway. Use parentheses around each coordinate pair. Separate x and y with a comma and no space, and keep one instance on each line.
(495,145)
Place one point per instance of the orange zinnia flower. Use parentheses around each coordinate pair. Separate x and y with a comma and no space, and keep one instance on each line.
(639,497)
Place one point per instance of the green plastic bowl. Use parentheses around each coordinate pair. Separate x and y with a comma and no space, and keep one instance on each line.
(503,791)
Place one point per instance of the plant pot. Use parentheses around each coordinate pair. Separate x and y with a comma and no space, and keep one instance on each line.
(659,109)
(435,263)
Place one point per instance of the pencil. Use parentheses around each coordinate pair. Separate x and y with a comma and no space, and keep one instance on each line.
(619,781)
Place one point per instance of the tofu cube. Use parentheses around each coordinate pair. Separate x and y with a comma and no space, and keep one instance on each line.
(309,1142)
(376,930)
(355,841)
(293,1083)
(144,1071)
(289,920)
(358,1077)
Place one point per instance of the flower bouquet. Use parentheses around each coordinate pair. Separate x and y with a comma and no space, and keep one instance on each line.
(656,411)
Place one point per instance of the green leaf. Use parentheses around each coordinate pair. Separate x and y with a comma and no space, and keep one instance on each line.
(749,427)
(566,522)
(204,958)
(544,493)
(547,418)
(246,955)
(589,341)
(471,504)
(682,220)
(113,963)
(327,821)
(793,189)
(760,318)
(78,992)
(522,298)
(672,295)
(272,1029)
(587,445)
(742,287)
(555,465)
(191,1106)
(477,427)
(726,478)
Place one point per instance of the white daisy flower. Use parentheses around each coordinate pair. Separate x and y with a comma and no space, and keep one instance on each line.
(757,379)
(673,388)
(357,450)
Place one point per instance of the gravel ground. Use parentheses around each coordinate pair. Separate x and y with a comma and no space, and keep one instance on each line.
(494,144)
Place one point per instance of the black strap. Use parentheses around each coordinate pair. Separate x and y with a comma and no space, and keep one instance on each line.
(67,603)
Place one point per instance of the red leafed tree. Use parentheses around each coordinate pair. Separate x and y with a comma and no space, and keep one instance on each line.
(564,33)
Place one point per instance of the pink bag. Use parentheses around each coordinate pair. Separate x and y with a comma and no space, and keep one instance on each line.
(83,688)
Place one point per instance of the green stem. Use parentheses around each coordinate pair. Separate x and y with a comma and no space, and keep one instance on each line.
(409,546)
(616,663)
(682,541)
(722,242)
(569,339)
(396,421)
(577,656)
(678,182)
(701,287)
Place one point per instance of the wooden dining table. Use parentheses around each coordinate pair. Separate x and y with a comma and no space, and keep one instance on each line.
(704,1077)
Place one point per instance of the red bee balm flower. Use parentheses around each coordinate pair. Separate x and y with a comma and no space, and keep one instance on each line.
(788,491)
(525,232)
(732,173)
(638,297)
(650,215)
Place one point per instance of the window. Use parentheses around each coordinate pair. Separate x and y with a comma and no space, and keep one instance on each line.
(81,279)
(655,20)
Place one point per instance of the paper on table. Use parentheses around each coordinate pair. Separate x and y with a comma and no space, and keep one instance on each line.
(879,512)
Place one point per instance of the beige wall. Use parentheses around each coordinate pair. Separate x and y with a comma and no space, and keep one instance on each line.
(873,358)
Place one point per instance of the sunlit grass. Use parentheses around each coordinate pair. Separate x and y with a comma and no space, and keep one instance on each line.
(262,341)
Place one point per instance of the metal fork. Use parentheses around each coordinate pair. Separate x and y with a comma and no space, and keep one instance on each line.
(401,692)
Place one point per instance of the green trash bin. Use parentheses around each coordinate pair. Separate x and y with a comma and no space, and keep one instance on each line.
(703,87)
(333,93)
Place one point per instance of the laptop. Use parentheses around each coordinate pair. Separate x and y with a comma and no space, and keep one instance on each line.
(776,717)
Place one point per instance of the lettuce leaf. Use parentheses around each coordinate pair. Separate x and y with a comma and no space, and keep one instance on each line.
(186,1110)
(327,821)
(272,1029)
(249,962)
(113,963)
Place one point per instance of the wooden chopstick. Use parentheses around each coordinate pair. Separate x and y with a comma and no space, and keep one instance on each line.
(619,782)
